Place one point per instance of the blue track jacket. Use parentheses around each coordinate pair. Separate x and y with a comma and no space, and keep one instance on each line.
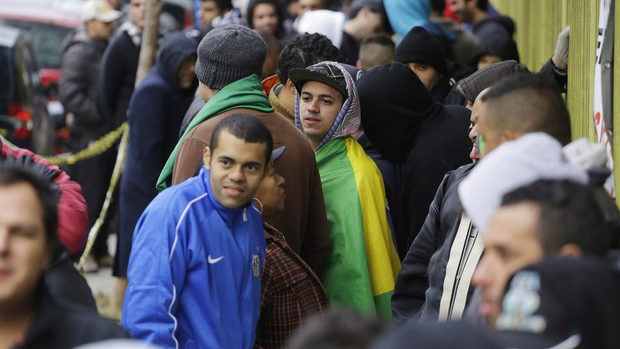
(194,271)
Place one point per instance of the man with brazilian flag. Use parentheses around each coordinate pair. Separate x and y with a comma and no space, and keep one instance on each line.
(362,265)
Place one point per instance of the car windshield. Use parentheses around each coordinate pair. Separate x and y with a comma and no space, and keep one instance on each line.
(46,41)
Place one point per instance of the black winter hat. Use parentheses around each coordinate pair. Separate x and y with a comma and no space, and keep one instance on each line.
(418,334)
(420,46)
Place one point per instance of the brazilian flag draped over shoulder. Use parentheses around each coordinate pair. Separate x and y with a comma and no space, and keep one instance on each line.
(361,269)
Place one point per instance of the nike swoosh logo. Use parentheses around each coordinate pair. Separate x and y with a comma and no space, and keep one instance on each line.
(213,261)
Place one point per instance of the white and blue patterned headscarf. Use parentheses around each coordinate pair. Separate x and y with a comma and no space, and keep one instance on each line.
(349,118)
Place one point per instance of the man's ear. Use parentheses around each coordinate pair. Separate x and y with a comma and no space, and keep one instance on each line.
(359,65)
(206,157)
(268,168)
(510,135)
(571,250)
(291,87)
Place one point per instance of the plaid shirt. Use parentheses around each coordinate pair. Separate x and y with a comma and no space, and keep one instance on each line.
(290,293)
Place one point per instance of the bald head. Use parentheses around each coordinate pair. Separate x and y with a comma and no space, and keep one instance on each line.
(525,104)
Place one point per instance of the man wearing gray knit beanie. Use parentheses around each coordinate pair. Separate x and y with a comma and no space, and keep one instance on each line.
(230,60)
(226,54)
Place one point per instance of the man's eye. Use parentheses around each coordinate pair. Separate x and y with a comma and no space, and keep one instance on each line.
(506,255)
(22,232)
(327,101)
(305,99)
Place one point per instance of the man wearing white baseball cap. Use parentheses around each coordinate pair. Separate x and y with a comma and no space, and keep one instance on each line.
(77,91)
(99,10)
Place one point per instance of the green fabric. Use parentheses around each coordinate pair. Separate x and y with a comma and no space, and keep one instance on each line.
(383,304)
(345,274)
(245,93)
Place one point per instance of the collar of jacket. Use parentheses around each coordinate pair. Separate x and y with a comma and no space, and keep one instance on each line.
(45,313)
(246,93)
(133,31)
(279,106)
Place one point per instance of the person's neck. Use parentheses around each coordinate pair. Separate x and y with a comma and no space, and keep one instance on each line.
(314,143)
(353,28)
(287,98)
(14,323)
(479,15)
(436,15)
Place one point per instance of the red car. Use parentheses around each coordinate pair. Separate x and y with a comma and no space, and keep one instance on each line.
(46,24)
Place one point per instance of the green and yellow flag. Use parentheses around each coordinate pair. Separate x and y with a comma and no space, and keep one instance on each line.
(361,269)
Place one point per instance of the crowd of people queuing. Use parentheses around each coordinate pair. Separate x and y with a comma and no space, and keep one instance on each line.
(315,174)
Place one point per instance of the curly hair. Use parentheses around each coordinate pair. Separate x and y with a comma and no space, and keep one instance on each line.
(305,50)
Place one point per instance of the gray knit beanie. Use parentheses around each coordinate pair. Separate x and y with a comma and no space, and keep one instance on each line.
(229,53)
(471,86)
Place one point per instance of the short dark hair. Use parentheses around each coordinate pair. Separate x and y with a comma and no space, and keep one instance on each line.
(303,51)
(10,175)
(379,38)
(339,328)
(438,5)
(222,4)
(272,43)
(482,4)
(245,127)
(569,213)
(528,103)
(375,50)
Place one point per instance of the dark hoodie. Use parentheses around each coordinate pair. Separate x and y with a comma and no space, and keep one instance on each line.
(496,36)
(407,127)
(155,113)
(420,46)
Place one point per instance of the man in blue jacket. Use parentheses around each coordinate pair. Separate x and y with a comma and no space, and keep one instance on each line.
(198,249)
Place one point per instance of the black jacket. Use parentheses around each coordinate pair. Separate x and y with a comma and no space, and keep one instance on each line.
(155,114)
(117,77)
(391,178)
(407,128)
(58,325)
(422,272)
(445,92)
(77,87)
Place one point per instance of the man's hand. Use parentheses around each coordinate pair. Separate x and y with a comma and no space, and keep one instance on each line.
(560,57)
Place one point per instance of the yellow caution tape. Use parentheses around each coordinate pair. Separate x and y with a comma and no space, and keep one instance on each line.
(116,174)
(98,147)
(6,141)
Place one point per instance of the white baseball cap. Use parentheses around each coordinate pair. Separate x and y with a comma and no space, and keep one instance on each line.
(99,10)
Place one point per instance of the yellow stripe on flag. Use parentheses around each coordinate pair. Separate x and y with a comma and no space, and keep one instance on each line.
(383,262)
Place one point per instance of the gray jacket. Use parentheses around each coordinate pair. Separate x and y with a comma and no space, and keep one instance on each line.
(77,87)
